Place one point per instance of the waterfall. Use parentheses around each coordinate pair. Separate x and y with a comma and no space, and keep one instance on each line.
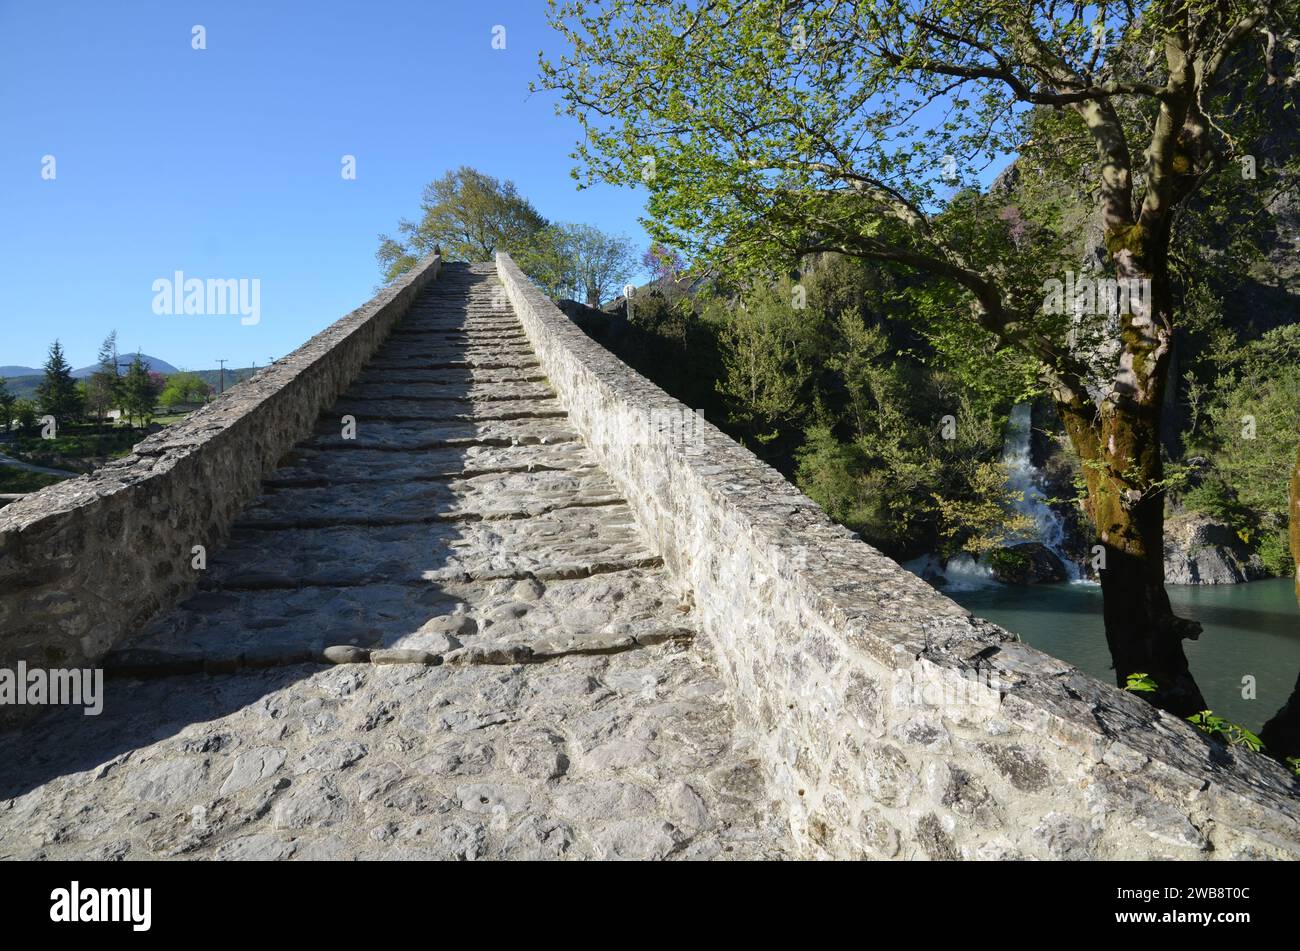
(1022,477)
(963,572)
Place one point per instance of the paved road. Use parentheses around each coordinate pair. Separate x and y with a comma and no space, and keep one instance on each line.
(20,464)
(534,688)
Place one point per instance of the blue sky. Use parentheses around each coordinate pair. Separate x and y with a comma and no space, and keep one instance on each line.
(225,162)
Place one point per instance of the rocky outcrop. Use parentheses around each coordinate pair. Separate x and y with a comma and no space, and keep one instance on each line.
(1027,563)
(1199,550)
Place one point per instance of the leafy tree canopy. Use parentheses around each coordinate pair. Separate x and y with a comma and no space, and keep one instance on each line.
(469,215)
(578,261)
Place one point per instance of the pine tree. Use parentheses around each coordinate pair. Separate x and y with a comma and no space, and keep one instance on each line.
(103,391)
(138,392)
(57,393)
(7,401)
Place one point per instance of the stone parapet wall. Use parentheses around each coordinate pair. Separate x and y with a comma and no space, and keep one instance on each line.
(89,561)
(890,722)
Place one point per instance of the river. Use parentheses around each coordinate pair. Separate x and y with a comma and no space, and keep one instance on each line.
(1250,630)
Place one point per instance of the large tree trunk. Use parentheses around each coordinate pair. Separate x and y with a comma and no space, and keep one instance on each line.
(1118,440)
(1281,735)
(1121,450)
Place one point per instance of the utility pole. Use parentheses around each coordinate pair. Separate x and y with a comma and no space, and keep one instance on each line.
(221,387)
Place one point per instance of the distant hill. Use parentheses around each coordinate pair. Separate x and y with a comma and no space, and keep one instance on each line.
(233,376)
(124,361)
(22,381)
(23,387)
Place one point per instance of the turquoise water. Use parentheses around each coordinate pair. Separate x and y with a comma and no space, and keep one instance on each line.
(1250,629)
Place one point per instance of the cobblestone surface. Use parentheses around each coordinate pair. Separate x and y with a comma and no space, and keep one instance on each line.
(443,638)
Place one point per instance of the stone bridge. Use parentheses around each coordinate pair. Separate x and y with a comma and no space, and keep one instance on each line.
(450,581)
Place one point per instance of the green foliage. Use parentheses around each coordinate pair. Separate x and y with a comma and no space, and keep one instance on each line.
(7,401)
(25,412)
(1140,683)
(577,261)
(139,393)
(470,215)
(57,394)
(1231,733)
(79,444)
(183,388)
(1007,561)
(104,386)
(14,480)
(1248,425)
(865,130)
(766,348)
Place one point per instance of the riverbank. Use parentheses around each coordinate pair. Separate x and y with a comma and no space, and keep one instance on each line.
(1250,630)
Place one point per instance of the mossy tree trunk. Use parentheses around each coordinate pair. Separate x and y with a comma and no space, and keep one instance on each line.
(1118,441)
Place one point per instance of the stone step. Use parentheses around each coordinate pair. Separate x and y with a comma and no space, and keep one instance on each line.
(568,543)
(522,363)
(453,377)
(328,467)
(497,495)
(459,391)
(453,350)
(376,410)
(506,617)
(408,435)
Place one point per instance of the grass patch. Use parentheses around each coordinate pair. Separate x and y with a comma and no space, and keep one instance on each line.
(79,442)
(13,479)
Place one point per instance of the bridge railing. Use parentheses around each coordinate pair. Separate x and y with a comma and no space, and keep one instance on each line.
(88,561)
(889,721)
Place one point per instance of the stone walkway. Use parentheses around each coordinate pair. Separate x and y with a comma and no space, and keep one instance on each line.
(514,676)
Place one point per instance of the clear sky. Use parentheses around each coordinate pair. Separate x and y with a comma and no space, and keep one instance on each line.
(225,162)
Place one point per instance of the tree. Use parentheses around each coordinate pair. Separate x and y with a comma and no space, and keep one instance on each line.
(664,264)
(547,261)
(25,412)
(1248,432)
(139,392)
(578,261)
(469,215)
(104,384)
(768,130)
(182,388)
(7,400)
(57,392)
(602,262)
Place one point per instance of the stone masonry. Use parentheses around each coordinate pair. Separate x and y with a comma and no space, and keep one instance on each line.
(476,589)
(86,561)
(445,638)
(889,722)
